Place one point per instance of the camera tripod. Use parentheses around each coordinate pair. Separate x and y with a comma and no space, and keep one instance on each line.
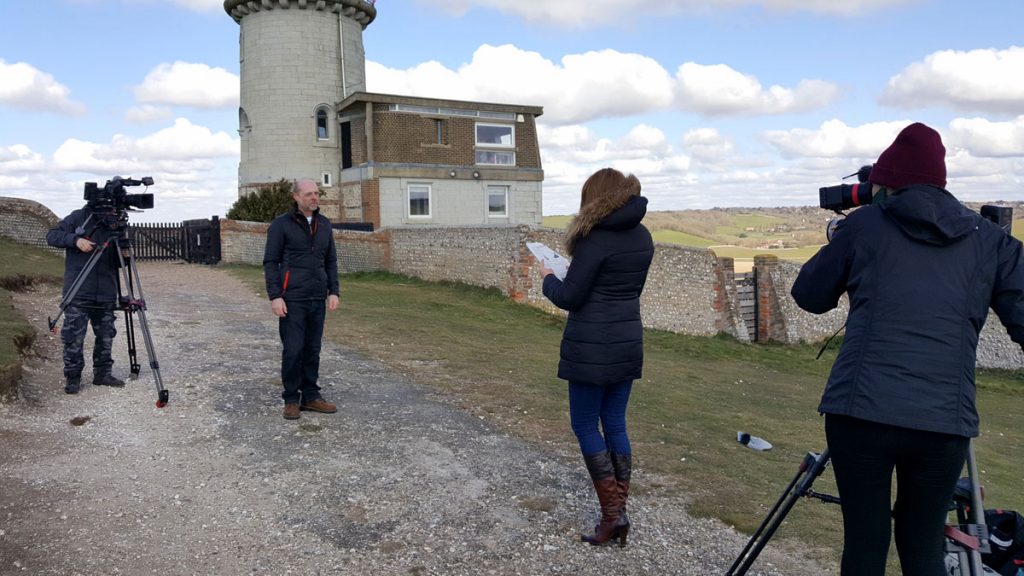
(127,301)
(967,540)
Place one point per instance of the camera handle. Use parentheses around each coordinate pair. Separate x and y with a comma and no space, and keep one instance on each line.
(968,546)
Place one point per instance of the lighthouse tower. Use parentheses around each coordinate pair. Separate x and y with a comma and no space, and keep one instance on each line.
(298,59)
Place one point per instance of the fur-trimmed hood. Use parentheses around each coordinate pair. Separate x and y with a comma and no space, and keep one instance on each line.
(621,210)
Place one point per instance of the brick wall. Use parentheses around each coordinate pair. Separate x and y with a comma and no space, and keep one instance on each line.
(27,221)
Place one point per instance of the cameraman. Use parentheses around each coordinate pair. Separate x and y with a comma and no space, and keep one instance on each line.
(921,271)
(80,233)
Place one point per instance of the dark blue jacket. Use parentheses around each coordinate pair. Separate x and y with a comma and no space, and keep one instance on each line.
(100,286)
(300,261)
(921,271)
(603,338)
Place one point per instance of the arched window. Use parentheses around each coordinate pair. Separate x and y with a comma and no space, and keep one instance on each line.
(321,124)
(243,121)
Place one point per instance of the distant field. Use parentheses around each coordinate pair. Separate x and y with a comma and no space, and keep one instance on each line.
(681,238)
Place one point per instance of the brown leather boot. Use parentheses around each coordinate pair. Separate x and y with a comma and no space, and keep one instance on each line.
(319,405)
(602,473)
(291,411)
(623,464)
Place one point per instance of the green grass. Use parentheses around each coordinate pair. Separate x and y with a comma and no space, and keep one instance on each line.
(556,221)
(498,358)
(30,265)
(795,254)
(741,222)
(681,238)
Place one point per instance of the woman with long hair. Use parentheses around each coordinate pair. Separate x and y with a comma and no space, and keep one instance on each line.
(602,345)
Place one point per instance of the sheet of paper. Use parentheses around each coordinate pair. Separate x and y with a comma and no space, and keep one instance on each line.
(552,259)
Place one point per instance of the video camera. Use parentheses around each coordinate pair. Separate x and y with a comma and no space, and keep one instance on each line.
(846,196)
(114,196)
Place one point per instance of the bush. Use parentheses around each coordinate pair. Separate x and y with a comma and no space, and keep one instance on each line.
(265,204)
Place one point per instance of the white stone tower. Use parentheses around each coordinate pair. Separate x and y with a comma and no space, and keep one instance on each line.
(298,59)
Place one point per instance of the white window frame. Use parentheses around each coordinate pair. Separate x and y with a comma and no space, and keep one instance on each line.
(512,134)
(497,189)
(408,199)
(494,157)
(325,180)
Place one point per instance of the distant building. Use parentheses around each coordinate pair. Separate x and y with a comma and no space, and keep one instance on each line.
(383,159)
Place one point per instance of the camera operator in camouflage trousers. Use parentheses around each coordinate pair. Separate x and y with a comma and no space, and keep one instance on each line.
(80,233)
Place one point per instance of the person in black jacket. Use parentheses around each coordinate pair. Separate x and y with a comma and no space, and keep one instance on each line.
(80,233)
(300,266)
(921,271)
(602,347)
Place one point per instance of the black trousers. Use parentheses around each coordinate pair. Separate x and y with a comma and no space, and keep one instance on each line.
(927,464)
(301,331)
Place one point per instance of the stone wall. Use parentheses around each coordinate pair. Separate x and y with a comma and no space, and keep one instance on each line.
(27,222)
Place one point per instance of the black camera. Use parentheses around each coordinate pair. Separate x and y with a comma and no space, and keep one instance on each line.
(846,196)
(114,196)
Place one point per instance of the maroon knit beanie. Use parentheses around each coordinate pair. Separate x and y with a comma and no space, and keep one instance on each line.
(916,156)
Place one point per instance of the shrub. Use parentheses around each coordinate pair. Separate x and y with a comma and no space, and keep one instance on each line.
(265,204)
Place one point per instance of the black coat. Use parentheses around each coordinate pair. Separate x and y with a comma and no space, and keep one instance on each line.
(921,271)
(300,261)
(101,285)
(603,338)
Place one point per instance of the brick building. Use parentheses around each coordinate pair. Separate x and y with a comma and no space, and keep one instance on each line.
(387,160)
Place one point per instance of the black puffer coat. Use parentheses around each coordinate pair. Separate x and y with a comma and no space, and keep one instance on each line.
(300,261)
(100,286)
(603,339)
(921,271)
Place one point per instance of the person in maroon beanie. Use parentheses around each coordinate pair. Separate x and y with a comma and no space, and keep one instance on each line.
(921,272)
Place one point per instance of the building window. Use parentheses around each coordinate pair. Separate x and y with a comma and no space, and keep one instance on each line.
(325,180)
(496,157)
(490,136)
(439,127)
(419,200)
(497,201)
(495,135)
(321,124)
(243,122)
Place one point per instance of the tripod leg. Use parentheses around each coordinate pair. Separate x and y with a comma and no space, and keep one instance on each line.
(69,296)
(132,281)
(810,468)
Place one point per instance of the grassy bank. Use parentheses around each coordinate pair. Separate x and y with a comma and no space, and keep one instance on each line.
(23,266)
(498,359)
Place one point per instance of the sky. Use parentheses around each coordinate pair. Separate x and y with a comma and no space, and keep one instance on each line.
(710,103)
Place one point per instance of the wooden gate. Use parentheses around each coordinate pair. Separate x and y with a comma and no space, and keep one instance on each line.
(746,299)
(194,241)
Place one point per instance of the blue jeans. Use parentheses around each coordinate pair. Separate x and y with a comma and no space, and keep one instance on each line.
(590,405)
(301,331)
(927,464)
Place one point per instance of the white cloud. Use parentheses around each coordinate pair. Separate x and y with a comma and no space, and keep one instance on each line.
(977,80)
(719,90)
(186,84)
(147,113)
(579,13)
(580,88)
(834,139)
(707,145)
(984,138)
(179,149)
(20,159)
(25,87)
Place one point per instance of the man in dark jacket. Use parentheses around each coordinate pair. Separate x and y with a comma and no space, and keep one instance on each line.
(80,233)
(300,266)
(921,272)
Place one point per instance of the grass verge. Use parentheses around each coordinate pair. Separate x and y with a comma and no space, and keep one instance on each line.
(30,265)
(498,358)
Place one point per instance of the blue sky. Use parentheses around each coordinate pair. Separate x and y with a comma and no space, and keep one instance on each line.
(710,103)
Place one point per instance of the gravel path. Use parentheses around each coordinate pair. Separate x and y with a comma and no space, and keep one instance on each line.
(398,482)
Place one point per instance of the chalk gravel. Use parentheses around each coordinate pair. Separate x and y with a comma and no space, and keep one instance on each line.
(398,482)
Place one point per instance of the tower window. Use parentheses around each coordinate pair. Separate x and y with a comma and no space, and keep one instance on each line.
(322,132)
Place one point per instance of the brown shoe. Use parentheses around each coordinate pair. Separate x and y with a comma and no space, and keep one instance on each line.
(291,411)
(320,405)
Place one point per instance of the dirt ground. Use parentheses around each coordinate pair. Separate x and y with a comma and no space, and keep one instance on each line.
(399,481)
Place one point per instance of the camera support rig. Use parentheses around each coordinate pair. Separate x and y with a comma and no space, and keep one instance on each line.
(127,301)
(967,540)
